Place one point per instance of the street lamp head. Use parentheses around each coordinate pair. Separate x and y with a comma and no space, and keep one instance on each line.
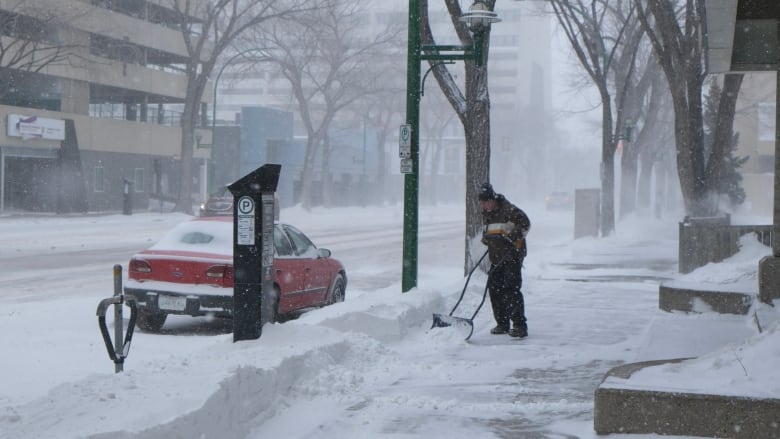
(629,129)
(479,17)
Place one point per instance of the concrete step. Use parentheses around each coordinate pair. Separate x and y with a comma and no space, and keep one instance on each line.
(643,411)
(712,318)
(686,298)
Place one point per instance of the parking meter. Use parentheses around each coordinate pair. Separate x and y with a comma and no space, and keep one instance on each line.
(127,197)
(253,251)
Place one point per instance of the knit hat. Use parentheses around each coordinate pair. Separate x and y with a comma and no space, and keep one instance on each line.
(486,192)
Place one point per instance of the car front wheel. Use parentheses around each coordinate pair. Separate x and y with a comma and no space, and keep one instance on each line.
(270,311)
(150,322)
(338,292)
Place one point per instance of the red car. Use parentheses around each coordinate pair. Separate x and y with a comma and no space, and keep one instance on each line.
(190,272)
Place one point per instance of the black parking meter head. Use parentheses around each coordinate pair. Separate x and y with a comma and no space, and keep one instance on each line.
(262,180)
(252,240)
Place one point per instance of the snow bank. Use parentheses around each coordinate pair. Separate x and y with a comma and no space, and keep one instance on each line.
(186,398)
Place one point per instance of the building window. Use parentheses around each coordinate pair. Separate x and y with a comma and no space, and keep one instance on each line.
(139,179)
(99,175)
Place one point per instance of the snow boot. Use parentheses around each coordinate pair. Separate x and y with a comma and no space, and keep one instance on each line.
(499,330)
(519,331)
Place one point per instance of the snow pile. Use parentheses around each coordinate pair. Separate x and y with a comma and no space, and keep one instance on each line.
(738,274)
(746,369)
(743,368)
(317,354)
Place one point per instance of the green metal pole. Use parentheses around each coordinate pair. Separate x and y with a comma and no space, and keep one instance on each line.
(411,180)
(212,167)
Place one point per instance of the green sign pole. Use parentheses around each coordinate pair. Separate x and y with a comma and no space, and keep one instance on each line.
(411,180)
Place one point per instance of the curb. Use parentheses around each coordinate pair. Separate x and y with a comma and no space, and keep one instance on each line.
(685,299)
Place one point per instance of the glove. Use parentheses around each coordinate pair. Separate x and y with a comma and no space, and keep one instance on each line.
(499,228)
(492,237)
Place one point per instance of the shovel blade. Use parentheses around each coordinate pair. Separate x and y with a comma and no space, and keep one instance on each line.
(444,321)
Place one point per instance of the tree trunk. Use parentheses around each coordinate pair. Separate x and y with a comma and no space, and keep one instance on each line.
(327,177)
(436,166)
(724,132)
(675,37)
(607,168)
(474,113)
(189,121)
(425,154)
(307,174)
(628,179)
(381,139)
(684,128)
(477,129)
(644,182)
(662,190)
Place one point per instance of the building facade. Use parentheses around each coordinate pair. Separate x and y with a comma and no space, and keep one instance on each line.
(91,93)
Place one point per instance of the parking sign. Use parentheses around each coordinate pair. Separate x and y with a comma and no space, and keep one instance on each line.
(405,141)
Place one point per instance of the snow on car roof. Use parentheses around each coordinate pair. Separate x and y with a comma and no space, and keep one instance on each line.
(199,235)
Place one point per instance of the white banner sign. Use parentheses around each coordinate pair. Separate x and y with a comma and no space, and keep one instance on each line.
(34,127)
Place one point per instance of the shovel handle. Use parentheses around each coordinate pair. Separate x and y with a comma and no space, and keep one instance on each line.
(467,282)
(484,295)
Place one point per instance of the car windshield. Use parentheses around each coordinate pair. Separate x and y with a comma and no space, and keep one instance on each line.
(303,246)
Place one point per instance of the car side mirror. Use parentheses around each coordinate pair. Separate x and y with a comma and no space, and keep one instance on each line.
(323,253)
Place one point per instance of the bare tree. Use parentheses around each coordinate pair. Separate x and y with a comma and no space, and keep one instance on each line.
(328,57)
(472,107)
(653,140)
(209,28)
(588,25)
(438,117)
(674,28)
(634,70)
(383,111)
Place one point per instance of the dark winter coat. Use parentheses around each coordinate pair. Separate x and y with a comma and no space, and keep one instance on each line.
(504,230)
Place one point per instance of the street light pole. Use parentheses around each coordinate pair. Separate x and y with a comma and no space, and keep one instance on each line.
(411,180)
(478,20)
(211,169)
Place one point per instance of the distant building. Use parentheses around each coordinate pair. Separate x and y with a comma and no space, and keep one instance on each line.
(266,136)
(520,91)
(103,117)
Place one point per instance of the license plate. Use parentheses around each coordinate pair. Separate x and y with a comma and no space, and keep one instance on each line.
(172,303)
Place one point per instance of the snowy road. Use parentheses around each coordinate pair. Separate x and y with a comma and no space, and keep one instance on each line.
(587,310)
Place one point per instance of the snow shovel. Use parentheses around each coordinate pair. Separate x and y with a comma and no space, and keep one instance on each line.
(442,321)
